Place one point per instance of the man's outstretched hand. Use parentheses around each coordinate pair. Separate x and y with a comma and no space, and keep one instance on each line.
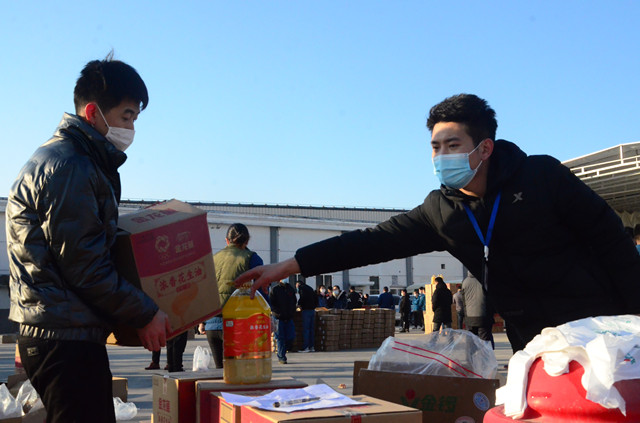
(154,335)
(264,275)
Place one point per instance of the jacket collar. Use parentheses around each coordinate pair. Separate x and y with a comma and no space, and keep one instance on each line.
(95,145)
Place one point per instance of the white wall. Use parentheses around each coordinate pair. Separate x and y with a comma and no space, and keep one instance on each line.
(426,265)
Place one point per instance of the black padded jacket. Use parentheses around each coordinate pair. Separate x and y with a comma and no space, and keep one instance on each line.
(558,251)
(62,215)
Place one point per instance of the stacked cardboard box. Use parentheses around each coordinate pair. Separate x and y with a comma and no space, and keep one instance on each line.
(174,395)
(344,340)
(373,410)
(327,331)
(356,328)
(346,329)
(208,409)
(368,328)
(297,321)
(384,325)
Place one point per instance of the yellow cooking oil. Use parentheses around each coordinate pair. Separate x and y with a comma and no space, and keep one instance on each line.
(247,338)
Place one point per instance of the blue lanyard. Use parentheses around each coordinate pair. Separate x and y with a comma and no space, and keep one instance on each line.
(492,221)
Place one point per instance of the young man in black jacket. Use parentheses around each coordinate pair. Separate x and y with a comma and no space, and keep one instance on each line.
(546,248)
(307,302)
(62,215)
(441,301)
(405,310)
(283,306)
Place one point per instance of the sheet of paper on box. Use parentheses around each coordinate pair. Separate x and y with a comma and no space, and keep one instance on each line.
(328,399)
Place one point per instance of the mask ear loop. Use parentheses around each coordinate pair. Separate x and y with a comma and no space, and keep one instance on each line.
(105,120)
(481,161)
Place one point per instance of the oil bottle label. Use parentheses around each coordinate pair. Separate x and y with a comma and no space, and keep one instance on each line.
(250,335)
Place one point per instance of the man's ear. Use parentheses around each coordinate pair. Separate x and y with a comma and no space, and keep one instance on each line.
(486,148)
(90,111)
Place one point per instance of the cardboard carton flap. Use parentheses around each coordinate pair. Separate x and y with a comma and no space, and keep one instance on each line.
(160,214)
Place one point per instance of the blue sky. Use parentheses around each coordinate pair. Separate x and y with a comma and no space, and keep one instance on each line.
(321,103)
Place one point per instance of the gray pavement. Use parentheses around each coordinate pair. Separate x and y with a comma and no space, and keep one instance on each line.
(333,368)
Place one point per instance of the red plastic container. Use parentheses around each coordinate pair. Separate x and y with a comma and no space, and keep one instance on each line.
(562,399)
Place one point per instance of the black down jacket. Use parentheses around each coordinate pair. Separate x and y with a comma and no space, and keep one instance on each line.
(62,215)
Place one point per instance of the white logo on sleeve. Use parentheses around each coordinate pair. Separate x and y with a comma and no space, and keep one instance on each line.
(517,197)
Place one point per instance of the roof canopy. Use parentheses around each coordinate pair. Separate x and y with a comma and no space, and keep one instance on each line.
(613,173)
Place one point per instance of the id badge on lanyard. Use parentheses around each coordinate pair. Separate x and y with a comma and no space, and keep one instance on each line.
(485,240)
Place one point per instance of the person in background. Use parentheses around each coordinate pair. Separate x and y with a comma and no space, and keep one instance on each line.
(308,302)
(636,237)
(365,299)
(283,307)
(385,300)
(441,301)
(322,296)
(61,224)
(477,318)
(405,310)
(264,291)
(422,306)
(155,361)
(354,300)
(414,308)
(175,353)
(229,262)
(458,300)
(337,299)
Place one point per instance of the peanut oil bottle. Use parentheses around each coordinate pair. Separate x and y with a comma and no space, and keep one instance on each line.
(247,338)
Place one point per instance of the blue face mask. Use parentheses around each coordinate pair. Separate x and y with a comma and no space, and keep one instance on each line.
(454,170)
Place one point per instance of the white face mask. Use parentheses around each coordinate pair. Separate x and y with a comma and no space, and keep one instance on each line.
(121,138)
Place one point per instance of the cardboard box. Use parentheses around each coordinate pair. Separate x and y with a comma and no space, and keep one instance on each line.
(441,399)
(119,387)
(166,251)
(223,412)
(207,412)
(38,416)
(376,411)
(8,338)
(174,395)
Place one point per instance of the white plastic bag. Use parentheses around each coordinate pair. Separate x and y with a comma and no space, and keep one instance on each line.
(608,347)
(124,410)
(28,397)
(201,359)
(9,406)
(450,353)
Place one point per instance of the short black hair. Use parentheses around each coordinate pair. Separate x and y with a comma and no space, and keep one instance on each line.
(470,110)
(108,83)
(385,289)
(439,279)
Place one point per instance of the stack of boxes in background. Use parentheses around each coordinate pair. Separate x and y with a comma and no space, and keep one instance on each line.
(357,321)
(327,330)
(345,332)
(346,329)
(368,322)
